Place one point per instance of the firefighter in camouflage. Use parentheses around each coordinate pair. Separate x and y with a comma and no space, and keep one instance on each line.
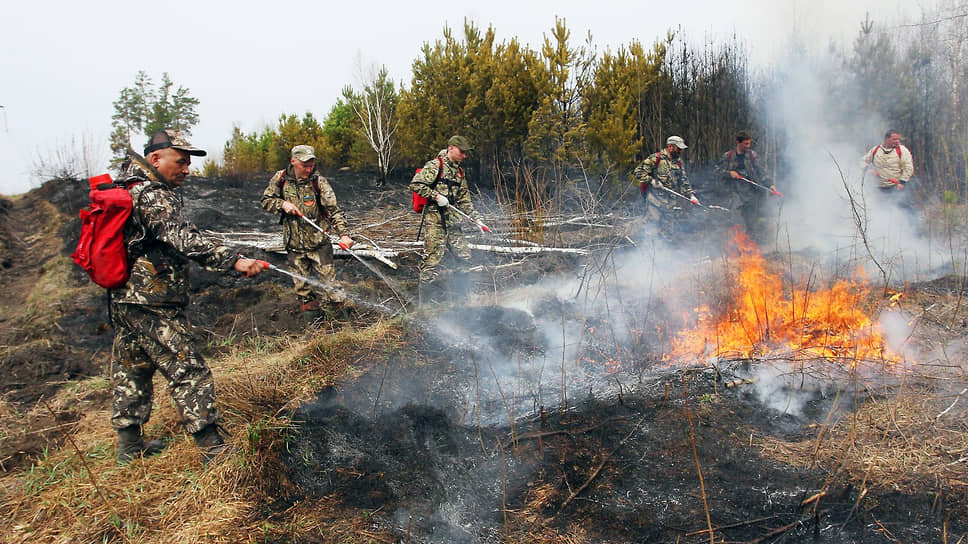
(658,175)
(149,313)
(299,191)
(441,181)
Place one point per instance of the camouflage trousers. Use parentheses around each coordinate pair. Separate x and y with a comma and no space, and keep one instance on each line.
(750,205)
(319,264)
(440,235)
(664,215)
(150,338)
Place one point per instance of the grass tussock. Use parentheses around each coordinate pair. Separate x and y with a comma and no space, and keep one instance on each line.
(78,493)
(897,443)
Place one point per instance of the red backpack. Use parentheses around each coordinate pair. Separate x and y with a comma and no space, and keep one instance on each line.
(419,202)
(101,251)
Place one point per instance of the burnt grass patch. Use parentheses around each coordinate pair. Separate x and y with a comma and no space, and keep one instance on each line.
(466,431)
(445,454)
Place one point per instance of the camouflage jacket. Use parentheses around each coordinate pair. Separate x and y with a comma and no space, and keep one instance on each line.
(450,183)
(745,164)
(660,166)
(298,234)
(161,241)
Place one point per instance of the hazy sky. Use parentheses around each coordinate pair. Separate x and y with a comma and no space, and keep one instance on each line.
(64,63)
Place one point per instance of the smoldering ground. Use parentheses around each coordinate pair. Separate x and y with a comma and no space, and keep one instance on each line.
(556,404)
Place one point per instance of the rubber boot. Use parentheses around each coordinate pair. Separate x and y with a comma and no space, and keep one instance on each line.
(131,445)
(210,442)
(311,310)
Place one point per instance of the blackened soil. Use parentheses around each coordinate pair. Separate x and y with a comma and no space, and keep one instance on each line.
(427,438)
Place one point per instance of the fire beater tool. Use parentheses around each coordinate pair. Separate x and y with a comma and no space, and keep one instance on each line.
(710,207)
(774,192)
(479,225)
(334,239)
(343,246)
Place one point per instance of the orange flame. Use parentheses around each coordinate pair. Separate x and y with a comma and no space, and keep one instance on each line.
(763,319)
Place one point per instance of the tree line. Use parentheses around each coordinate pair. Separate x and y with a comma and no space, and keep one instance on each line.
(568,107)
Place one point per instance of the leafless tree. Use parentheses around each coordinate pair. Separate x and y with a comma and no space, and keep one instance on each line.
(375,107)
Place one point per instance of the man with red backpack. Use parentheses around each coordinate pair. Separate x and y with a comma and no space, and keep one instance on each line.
(665,187)
(299,193)
(891,162)
(442,184)
(149,311)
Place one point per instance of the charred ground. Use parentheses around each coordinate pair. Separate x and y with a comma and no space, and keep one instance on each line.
(412,438)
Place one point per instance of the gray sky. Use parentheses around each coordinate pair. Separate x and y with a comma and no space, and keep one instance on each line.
(64,63)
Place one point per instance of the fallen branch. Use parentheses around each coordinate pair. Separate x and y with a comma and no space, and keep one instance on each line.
(569,432)
(948,409)
(601,465)
(391,220)
(732,525)
(527,250)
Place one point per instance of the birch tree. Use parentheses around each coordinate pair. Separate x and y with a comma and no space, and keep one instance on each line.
(375,107)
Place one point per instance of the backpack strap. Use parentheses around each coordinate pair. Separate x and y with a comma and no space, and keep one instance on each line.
(281,184)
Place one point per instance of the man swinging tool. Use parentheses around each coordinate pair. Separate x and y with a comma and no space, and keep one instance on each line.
(300,193)
(441,181)
(664,170)
(748,183)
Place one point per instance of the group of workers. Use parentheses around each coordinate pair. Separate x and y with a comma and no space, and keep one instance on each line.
(149,313)
(667,192)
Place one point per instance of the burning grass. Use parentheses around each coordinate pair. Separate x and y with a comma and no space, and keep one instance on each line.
(763,317)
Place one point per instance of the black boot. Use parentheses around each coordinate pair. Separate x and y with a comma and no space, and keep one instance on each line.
(210,442)
(131,445)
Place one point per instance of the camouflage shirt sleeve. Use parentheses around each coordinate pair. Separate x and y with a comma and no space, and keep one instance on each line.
(423,181)
(272,197)
(760,175)
(164,218)
(643,172)
(337,219)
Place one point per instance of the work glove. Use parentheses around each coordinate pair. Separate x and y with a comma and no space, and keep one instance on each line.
(441,200)
(346,242)
(694,200)
(657,184)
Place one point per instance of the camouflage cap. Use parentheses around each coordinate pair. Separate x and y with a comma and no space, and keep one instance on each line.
(303,153)
(461,142)
(171,138)
(676,141)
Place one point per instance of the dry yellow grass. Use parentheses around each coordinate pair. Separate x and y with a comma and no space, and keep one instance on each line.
(896,443)
(78,493)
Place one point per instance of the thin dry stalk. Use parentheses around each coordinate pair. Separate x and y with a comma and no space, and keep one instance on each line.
(695,456)
(601,465)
